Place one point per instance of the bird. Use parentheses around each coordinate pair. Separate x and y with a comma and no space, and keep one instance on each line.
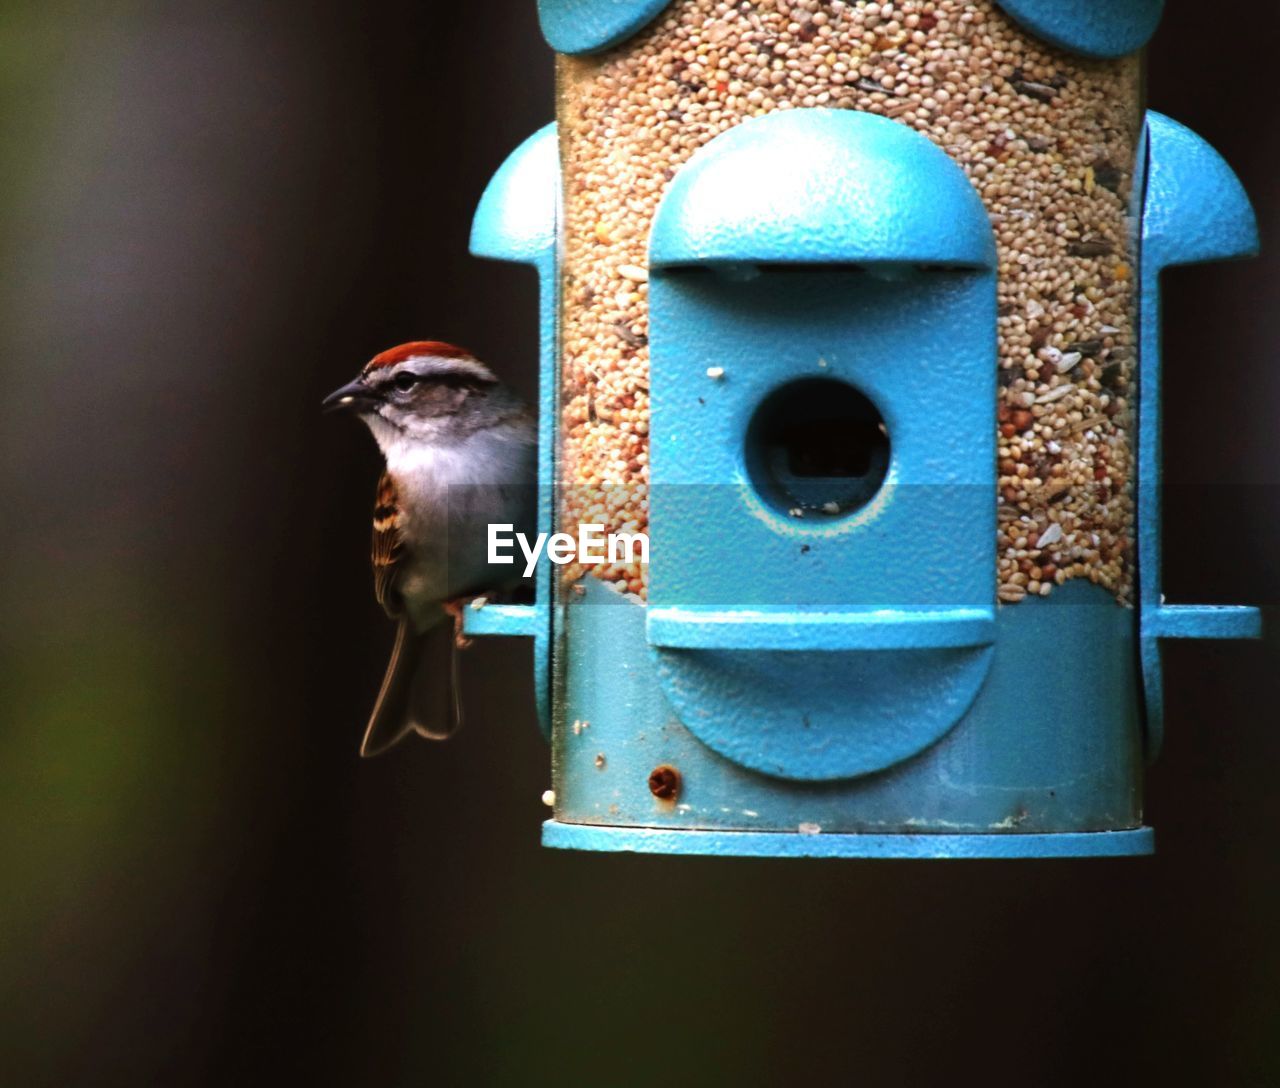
(460,452)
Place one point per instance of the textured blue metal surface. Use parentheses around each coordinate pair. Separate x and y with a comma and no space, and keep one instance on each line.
(517,220)
(884,608)
(1094,28)
(588,26)
(1193,210)
(648,840)
(518,211)
(1204,621)
(501,620)
(820,629)
(1040,750)
(821,186)
(821,716)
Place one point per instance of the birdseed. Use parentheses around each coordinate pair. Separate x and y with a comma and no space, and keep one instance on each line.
(1048,140)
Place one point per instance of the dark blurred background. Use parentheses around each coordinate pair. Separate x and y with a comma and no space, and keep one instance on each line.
(210,214)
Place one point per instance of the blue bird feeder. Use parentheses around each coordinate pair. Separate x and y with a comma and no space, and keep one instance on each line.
(855,312)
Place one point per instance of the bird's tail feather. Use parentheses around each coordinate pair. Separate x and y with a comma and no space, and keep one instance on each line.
(420,692)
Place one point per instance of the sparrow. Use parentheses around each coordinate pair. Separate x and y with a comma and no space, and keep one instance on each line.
(460,453)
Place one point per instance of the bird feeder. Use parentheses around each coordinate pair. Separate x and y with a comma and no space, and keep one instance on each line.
(854,310)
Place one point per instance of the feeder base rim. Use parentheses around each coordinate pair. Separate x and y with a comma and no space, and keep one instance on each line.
(653,840)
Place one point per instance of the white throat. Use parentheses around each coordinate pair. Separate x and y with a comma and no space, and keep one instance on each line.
(494,455)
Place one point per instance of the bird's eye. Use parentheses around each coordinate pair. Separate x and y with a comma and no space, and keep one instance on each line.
(404,381)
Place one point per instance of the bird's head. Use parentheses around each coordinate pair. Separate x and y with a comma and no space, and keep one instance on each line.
(425,389)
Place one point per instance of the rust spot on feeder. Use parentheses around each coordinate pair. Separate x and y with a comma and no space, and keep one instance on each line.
(664,782)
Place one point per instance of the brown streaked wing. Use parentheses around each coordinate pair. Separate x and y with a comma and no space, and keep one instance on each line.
(388,544)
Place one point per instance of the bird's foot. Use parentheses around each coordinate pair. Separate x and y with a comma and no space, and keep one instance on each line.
(455,609)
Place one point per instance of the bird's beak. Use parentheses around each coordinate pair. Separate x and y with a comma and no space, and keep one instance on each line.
(352,397)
